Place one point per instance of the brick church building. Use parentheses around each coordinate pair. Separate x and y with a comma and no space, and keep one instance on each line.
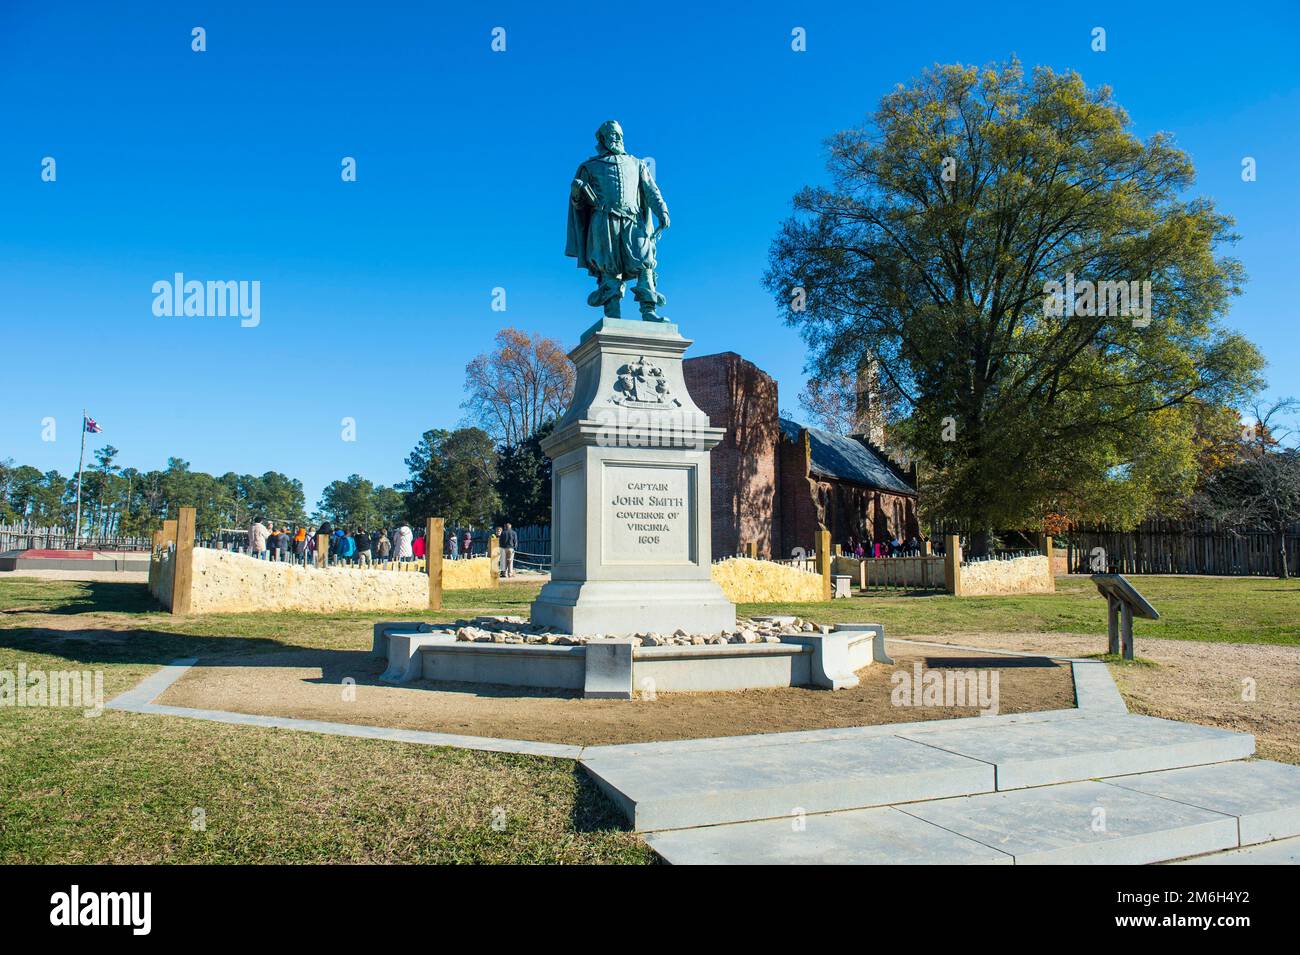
(775,482)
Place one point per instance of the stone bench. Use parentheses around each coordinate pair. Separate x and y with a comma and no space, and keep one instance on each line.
(866,643)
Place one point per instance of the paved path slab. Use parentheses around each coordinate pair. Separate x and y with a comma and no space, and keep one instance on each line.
(800,737)
(1283,852)
(859,837)
(701,787)
(1094,690)
(152,686)
(1038,754)
(139,700)
(1086,823)
(1263,795)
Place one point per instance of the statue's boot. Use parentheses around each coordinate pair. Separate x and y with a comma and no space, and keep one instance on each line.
(648,296)
(608,293)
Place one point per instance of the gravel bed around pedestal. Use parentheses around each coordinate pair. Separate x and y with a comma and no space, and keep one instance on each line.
(487,629)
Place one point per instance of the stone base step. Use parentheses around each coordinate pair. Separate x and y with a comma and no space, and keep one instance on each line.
(683,786)
(1039,754)
(882,836)
(1207,812)
(706,787)
(1263,795)
(1282,852)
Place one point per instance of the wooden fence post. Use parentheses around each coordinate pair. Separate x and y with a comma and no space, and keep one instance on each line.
(952,565)
(168,538)
(1050,551)
(322,549)
(824,561)
(433,544)
(1112,626)
(183,572)
(155,557)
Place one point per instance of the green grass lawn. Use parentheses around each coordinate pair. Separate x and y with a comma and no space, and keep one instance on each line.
(1221,609)
(131,788)
(125,787)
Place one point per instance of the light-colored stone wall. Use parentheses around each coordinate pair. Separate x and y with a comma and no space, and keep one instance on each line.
(472,574)
(1023,575)
(761,581)
(225,582)
(162,577)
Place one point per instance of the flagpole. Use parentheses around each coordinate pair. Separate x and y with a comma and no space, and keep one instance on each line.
(76,534)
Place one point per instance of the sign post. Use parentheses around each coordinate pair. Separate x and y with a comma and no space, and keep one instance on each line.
(1123,603)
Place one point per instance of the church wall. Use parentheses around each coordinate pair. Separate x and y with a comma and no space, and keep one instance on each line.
(741,398)
(762,490)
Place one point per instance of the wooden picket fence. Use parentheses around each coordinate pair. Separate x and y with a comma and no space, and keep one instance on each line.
(1182,547)
(904,573)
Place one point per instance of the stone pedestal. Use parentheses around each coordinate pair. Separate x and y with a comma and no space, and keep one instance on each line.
(630,516)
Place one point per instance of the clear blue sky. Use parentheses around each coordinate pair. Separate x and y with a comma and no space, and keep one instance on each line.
(225,165)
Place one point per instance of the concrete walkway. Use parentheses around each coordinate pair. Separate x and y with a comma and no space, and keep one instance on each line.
(140,700)
(1093,784)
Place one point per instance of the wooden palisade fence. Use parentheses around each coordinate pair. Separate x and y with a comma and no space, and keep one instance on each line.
(1183,547)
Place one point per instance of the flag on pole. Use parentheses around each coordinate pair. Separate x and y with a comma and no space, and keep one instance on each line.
(92,427)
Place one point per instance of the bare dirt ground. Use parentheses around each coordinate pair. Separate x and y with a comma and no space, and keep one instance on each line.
(310,685)
(1208,683)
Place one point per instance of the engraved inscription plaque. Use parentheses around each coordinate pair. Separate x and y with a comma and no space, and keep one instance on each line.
(648,513)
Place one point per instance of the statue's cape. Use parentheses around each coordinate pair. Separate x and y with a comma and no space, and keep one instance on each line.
(575,239)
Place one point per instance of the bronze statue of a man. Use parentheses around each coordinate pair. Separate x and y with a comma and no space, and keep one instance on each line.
(610,202)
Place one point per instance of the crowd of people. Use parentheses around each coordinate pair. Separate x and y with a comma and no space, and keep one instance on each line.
(354,546)
(889,547)
(359,547)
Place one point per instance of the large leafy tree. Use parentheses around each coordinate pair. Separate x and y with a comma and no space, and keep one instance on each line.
(524,481)
(7,485)
(351,502)
(453,476)
(1260,488)
(390,505)
(35,499)
(929,254)
(524,382)
(101,488)
(357,502)
(278,496)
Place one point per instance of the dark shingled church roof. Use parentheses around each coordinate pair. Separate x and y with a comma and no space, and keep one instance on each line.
(849,459)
